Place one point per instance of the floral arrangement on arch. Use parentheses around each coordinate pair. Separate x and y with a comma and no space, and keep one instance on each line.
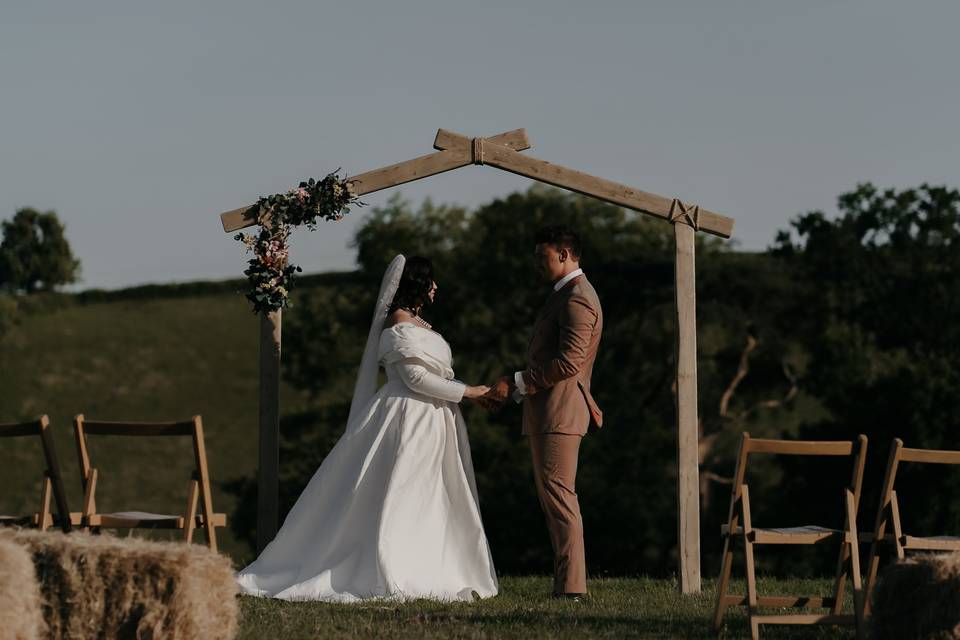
(270,272)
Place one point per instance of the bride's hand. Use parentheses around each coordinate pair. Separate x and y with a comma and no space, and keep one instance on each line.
(473,392)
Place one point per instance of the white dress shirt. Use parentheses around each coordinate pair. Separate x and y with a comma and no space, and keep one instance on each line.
(518,376)
(567,278)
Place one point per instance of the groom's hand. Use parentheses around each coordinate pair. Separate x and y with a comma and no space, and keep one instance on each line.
(500,390)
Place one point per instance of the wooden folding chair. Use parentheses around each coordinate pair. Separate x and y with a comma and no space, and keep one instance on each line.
(199,489)
(52,478)
(740,528)
(888,514)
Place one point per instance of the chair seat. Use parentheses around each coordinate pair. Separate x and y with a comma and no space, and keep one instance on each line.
(814,618)
(807,534)
(148,520)
(927,543)
(141,515)
(931,543)
(136,519)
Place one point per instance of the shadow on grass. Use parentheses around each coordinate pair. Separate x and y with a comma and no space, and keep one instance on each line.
(617,608)
(660,626)
(577,620)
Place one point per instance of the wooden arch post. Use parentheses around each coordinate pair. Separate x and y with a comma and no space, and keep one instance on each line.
(503,151)
(268,467)
(688,471)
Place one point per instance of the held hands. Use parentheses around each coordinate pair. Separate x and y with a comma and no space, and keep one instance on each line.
(475,392)
(497,394)
(478,395)
(493,397)
(501,390)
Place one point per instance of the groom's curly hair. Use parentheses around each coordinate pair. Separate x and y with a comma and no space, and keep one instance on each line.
(561,237)
(415,283)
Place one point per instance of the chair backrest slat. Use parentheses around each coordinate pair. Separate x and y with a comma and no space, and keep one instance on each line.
(800,447)
(100,428)
(930,456)
(8,430)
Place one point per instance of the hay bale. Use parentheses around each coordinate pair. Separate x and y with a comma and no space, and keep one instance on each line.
(101,586)
(20,614)
(918,598)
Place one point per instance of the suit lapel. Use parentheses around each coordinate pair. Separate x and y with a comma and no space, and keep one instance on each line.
(547,309)
(549,306)
(552,299)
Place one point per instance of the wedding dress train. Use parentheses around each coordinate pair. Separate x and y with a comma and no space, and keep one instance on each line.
(392,511)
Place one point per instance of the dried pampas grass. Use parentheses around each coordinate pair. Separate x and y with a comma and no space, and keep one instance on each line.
(20,614)
(918,598)
(106,587)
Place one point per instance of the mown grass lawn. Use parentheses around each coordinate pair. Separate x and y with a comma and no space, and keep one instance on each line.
(617,608)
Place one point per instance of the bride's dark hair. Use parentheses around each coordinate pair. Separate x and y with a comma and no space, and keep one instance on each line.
(413,291)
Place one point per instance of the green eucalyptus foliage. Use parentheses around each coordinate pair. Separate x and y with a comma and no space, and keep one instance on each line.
(270,272)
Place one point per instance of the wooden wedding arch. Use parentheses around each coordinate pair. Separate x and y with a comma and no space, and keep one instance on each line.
(503,151)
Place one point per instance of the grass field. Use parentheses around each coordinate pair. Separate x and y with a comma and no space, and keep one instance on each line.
(616,608)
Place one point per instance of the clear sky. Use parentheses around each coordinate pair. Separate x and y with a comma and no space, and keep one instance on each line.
(140,122)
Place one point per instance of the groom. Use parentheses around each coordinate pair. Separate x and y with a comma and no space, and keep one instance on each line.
(555,391)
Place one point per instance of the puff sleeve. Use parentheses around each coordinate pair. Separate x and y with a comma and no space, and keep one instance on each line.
(424,367)
(419,379)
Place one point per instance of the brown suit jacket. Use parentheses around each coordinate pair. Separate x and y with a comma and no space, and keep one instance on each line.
(560,362)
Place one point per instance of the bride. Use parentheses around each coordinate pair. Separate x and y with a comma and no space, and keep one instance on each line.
(392,511)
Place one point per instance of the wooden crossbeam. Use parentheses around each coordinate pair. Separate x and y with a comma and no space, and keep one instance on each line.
(448,140)
(502,151)
(455,153)
(607,190)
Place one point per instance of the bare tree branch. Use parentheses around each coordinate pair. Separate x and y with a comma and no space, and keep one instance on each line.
(742,370)
(707,442)
(710,475)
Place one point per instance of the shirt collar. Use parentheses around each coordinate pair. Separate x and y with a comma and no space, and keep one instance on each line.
(567,278)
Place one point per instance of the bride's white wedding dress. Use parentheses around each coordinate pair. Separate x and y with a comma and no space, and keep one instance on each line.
(392,511)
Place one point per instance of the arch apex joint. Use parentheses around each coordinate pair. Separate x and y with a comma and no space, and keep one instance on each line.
(476,150)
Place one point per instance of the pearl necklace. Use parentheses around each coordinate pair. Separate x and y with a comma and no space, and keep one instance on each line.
(416,317)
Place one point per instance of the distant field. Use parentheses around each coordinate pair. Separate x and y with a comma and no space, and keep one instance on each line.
(617,608)
(162,357)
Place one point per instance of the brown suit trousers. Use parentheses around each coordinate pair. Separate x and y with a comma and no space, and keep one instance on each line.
(555,472)
(557,413)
